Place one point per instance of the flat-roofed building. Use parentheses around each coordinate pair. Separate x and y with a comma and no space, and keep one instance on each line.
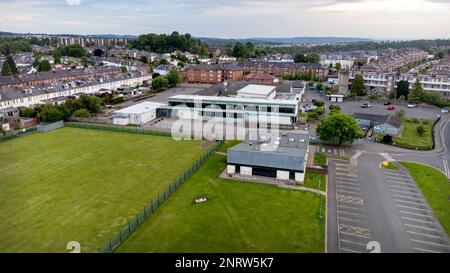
(137,114)
(283,158)
(257,91)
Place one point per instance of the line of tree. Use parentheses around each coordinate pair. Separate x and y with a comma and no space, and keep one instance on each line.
(170,80)
(76,51)
(244,51)
(310,58)
(14,45)
(163,43)
(82,107)
(427,45)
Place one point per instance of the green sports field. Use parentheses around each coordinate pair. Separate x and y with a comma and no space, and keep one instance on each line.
(81,185)
(238,217)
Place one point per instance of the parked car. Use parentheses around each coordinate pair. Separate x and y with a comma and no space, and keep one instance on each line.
(391,107)
(411,105)
(387,103)
(365,105)
(444,110)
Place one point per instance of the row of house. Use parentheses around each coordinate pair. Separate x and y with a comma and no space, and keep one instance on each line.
(385,82)
(391,60)
(24,80)
(215,73)
(55,92)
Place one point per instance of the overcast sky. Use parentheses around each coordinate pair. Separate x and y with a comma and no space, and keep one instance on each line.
(386,19)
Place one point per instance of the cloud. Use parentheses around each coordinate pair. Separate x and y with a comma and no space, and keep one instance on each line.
(73,2)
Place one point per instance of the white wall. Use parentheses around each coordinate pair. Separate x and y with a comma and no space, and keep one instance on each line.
(282,175)
(231,169)
(246,171)
(300,177)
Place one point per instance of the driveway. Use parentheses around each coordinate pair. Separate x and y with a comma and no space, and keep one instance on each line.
(368,205)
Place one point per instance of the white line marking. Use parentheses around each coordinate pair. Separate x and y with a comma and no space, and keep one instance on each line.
(430,243)
(426,228)
(349,250)
(352,213)
(402,187)
(400,183)
(352,220)
(413,208)
(407,197)
(425,250)
(423,234)
(350,192)
(349,187)
(417,214)
(351,242)
(417,220)
(348,183)
(403,191)
(409,202)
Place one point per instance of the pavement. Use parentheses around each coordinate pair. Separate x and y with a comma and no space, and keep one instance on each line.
(375,209)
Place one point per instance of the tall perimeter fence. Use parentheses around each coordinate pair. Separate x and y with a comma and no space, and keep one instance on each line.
(116,240)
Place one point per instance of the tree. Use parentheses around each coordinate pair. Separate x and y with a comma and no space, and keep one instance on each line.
(160,83)
(12,65)
(338,66)
(6,70)
(82,113)
(44,66)
(173,77)
(124,69)
(400,113)
(143,59)
(358,86)
(402,89)
(416,94)
(313,58)
(339,128)
(51,114)
(163,62)
(440,55)
(420,130)
(300,58)
(98,52)
(90,103)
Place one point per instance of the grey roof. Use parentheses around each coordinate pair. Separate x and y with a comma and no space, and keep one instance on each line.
(380,119)
(282,65)
(234,86)
(288,155)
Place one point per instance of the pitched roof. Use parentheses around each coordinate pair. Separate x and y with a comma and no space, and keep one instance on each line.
(380,119)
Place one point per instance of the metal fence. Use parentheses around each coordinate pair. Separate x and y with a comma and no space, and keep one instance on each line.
(17,133)
(132,225)
(44,128)
(135,130)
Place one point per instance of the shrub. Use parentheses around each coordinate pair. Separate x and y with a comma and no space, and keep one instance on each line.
(318,103)
(335,107)
(117,100)
(313,115)
(82,113)
(319,110)
(420,130)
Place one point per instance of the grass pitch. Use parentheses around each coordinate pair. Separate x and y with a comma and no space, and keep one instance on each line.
(81,185)
(238,217)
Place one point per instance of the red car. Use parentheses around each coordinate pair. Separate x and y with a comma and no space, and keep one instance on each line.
(392,107)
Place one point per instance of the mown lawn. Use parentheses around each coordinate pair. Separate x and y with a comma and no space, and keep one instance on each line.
(411,139)
(312,181)
(81,185)
(238,217)
(436,189)
(320,159)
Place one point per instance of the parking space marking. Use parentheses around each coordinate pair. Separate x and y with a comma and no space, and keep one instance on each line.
(352,220)
(351,208)
(346,179)
(352,213)
(348,183)
(417,214)
(422,227)
(349,250)
(423,234)
(348,174)
(407,197)
(354,231)
(409,202)
(399,183)
(426,250)
(412,208)
(352,242)
(429,243)
(402,187)
(349,187)
(410,192)
(417,220)
(348,192)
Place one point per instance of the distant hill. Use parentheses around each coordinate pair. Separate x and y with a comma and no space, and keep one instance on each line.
(281,41)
